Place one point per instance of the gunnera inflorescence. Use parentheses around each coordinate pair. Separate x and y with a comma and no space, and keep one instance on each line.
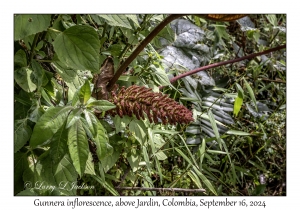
(141,100)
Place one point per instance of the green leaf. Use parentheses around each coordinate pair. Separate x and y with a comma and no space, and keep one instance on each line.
(69,75)
(139,128)
(38,76)
(202,152)
(65,173)
(91,121)
(117,20)
(78,47)
(170,132)
(217,152)
(73,117)
(130,35)
(101,105)
(22,133)
(106,185)
(121,123)
(161,155)
(78,146)
(20,165)
(258,166)
(238,100)
(184,156)
(251,93)
(134,160)
(49,124)
(128,78)
(59,145)
(104,149)
(25,25)
(205,181)
(46,97)
(36,113)
(109,161)
(146,158)
(272,19)
(23,79)
(28,192)
(114,50)
(239,133)
(166,33)
(20,59)
(134,19)
(214,127)
(195,178)
(90,167)
(163,78)
(259,189)
(188,150)
(85,92)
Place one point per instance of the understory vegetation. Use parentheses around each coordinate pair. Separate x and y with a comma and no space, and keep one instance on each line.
(96,115)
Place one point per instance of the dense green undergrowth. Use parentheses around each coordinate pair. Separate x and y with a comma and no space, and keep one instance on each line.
(64,137)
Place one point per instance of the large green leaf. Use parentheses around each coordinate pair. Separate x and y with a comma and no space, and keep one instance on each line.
(22,133)
(78,47)
(78,146)
(49,124)
(23,78)
(25,25)
(101,105)
(104,149)
(85,92)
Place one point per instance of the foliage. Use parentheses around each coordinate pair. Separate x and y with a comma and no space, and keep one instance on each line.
(228,139)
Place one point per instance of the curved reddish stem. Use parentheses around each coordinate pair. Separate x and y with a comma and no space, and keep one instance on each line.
(224,63)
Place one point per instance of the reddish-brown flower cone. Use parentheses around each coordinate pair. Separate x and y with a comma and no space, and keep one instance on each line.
(141,100)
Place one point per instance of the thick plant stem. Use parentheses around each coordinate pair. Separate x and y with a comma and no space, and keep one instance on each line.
(140,47)
(225,62)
